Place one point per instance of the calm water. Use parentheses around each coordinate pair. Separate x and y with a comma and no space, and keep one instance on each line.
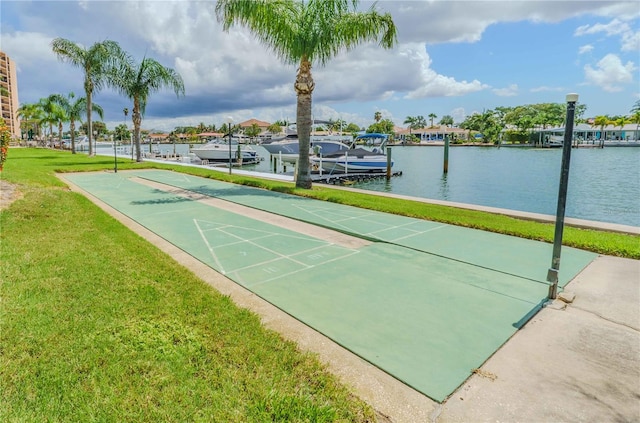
(604,184)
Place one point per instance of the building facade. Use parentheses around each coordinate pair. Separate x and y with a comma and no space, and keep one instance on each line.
(9,94)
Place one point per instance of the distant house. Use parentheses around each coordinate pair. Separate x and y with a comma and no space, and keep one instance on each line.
(584,133)
(432,134)
(210,135)
(261,124)
(158,137)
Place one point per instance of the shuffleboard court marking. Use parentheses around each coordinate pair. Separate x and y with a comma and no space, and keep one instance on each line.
(416,233)
(208,227)
(210,248)
(329,235)
(280,275)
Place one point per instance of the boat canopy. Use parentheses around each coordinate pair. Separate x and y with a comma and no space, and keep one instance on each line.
(372,135)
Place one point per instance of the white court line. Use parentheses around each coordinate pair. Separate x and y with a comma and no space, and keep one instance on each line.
(288,257)
(414,231)
(418,233)
(402,226)
(251,286)
(360,218)
(331,221)
(239,241)
(213,254)
(264,248)
(293,235)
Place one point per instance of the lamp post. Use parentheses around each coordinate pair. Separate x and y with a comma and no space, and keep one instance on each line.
(115,155)
(445,167)
(230,157)
(552,275)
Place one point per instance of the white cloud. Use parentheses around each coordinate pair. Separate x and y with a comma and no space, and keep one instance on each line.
(610,74)
(458,114)
(631,41)
(433,84)
(545,88)
(587,48)
(28,48)
(509,91)
(615,27)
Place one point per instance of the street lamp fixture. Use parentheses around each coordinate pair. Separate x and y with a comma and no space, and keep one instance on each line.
(552,275)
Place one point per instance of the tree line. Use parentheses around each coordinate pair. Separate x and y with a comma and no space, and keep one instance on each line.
(104,64)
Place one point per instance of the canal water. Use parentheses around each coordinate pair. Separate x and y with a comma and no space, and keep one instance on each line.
(604,184)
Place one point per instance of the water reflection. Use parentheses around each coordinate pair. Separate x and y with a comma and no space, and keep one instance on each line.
(443,188)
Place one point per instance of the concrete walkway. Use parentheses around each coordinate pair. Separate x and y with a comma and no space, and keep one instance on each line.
(570,363)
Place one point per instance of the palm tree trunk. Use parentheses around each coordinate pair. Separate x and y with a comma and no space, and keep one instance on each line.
(72,128)
(88,91)
(304,88)
(137,120)
(60,133)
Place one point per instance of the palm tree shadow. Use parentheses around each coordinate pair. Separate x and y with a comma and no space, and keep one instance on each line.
(168,200)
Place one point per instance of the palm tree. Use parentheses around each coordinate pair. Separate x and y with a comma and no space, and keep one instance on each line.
(52,114)
(302,32)
(74,109)
(95,62)
(61,112)
(420,122)
(601,122)
(447,120)
(274,128)
(31,114)
(432,116)
(377,116)
(411,121)
(621,122)
(137,81)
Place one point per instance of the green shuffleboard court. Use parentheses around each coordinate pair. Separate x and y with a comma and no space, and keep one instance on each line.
(428,303)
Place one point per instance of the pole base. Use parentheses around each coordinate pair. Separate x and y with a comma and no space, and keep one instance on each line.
(552,276)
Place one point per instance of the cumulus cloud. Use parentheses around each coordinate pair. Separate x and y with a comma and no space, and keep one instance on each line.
(614,27)
(587,48)
(629,39)
(610,74)
(510,91)
(433,84)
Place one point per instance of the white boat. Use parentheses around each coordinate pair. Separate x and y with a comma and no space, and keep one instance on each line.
(356,160)
(289,149)
(82,143)
(217,151)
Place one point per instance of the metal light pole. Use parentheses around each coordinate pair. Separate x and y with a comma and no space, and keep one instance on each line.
(230,146)
(115,155)
(445,167)
(552,275)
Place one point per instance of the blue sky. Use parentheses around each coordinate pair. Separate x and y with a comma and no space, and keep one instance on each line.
(452,58)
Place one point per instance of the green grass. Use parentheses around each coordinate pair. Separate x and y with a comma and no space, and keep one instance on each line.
(97,324)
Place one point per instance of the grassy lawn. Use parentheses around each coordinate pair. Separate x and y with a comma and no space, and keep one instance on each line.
(97,324)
